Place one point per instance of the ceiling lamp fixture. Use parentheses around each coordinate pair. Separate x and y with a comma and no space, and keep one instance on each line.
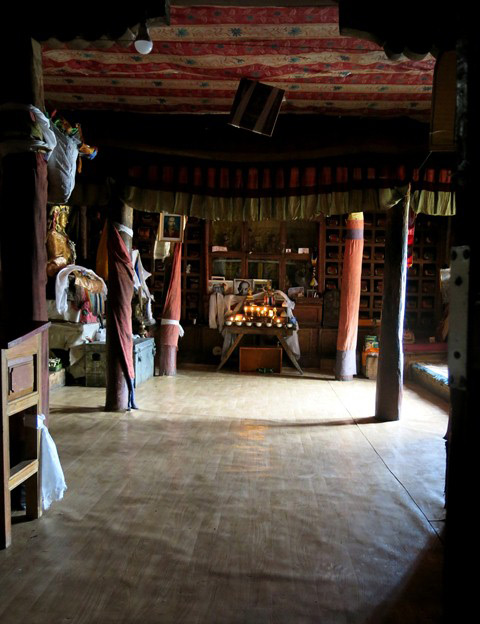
(143,43)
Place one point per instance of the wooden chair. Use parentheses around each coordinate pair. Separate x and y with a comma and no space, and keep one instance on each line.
(22,365)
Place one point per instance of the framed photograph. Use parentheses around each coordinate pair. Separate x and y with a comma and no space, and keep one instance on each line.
(171,227)
(296,291)
(216,286)
(225,287)
(312,293)
(241,286)
(259,285)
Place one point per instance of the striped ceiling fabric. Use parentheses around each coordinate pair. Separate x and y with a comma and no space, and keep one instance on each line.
(198,60)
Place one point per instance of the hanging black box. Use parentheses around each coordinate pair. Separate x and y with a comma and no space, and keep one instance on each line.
(256,106)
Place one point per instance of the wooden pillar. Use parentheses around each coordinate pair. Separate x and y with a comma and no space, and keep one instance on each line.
(389,390)
(117,389)
(462,538)
(23,197)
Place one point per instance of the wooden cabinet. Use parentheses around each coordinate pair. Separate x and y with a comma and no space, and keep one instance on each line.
(328,342)
(308,340)
(309,311)
(332,252)
(371,288)
(193,282)
(193,264)
(275,250)
(423,308)
(253,358)
(423,303)
(200,345)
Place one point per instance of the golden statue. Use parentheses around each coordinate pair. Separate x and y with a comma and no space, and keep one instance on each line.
(269,294)
(60,249)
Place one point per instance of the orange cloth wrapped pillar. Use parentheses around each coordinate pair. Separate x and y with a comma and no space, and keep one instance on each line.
(346,362)
(170,329)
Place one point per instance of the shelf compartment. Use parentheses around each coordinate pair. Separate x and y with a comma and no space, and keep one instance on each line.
(229,268)
(260,269)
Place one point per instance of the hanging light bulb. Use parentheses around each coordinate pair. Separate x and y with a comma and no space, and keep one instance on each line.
(143,43)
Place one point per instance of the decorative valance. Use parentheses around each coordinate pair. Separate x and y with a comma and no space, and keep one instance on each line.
(280,179)
(284,191)
(284,208)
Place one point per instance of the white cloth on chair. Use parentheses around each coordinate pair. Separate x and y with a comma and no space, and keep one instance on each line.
(52,479)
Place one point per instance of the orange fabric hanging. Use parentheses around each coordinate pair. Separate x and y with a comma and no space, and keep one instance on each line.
(346,364)
(172,308)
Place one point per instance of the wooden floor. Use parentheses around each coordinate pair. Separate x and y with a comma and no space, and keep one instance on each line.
(236,500)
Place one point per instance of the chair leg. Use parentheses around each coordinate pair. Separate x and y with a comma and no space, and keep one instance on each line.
(32,498)
(5,519)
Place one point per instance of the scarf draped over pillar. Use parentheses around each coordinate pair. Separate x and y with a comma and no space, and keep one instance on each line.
(170,328)
(346,364)
(120,293)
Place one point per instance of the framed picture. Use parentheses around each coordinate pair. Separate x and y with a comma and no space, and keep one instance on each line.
(216,286)
(225,287)
(241,286)
(296,291)
(312,293)
(171,227)
(259,285)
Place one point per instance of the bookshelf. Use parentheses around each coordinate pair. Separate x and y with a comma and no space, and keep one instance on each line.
(423,302)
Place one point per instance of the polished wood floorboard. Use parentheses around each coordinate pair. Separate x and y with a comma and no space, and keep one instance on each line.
(236,499)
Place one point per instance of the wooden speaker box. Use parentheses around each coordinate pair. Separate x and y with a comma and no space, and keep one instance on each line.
(253,358)
(256,106)
(442,126)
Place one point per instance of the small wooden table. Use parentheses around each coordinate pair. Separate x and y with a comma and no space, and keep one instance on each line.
(279,332)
